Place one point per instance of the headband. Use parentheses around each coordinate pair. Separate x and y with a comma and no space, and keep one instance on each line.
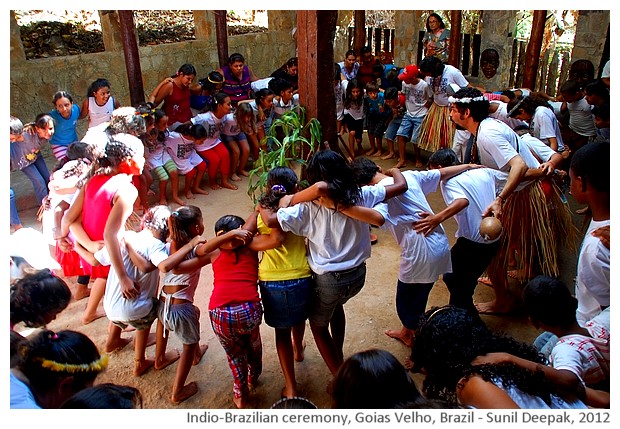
(96,366)
(514,109)
(214,81)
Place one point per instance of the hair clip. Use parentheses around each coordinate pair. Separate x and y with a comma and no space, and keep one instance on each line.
(278,188)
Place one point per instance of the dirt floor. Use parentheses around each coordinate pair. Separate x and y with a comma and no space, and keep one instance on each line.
(368,315)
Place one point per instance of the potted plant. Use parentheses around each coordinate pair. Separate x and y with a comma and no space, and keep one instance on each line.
(288,152)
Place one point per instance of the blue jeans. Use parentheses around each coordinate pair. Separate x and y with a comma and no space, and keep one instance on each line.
(39,175)
(14,216)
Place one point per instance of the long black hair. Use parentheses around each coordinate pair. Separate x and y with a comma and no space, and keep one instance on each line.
(331,167)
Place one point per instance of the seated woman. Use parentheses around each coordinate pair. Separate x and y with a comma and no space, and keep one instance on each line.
(446,342)
(238,78)
(288,71)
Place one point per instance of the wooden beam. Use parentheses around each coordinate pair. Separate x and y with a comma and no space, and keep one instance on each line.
(132,57)
(533,48)
(359,33)
(454,51)
(315,51)
(221,34)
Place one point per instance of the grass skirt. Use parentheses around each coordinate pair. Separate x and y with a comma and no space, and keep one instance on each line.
(436,130)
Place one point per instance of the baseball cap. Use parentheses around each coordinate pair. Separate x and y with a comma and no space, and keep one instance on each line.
(29,244)
(410,71)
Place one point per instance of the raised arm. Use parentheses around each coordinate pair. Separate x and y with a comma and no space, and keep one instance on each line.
(449,172)
(399,186)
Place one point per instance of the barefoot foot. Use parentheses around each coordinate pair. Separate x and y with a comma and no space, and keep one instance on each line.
(370,152)
(400,164)
(200,191)
(229,185)
(493,307)
(235,178)
(140,366)
(389,155)
(186,391)
(163,201)
(116,345)
(298,352)
(240,403)
(243,173)
(404,335)
(86,319)
(189,195)
(81,291)
(215,187)
(168,358)
(178,201)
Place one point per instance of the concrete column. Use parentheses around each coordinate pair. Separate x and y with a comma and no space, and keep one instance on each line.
(111,30)
(590,35)
(17,48)
(407,25)
(204,25)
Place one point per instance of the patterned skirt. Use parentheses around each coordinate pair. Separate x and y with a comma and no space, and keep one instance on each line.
(437,130)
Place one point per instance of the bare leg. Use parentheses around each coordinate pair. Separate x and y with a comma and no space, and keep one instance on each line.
(140,362)
(416,151)
(180,390)
(371,140)
(504,302)
(163,359)
(189,179)
(390,154)
(200,172)
(234,159)
(402,162)
(81,290)
(379,151)
(162,192)
(327,347)
(114,341)
(299,344)
(405,335)
(352,143)
(174,187)
(337,326)
(200,352)
(243,160)
(96,293)
(284,346)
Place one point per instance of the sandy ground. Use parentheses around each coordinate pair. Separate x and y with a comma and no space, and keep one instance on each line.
(368,314)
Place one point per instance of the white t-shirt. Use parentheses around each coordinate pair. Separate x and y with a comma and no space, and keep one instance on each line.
(592,288)
(540,150)
(605,73)
(336,242)
(229,125)
(545,125)
(99,114)
(213,125)
(479,187)
(587,357)
(459,143)
(117,308)
(423,259)
(501,113)
(581,118)
(182,152)
(450,75)
(416,96)
(260,84)
(279,108)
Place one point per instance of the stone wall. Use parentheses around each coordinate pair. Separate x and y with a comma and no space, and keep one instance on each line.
(590,36)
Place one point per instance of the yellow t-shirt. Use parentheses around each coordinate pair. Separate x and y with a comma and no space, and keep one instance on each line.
(287,262)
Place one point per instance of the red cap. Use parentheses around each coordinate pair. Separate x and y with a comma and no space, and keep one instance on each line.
(409,72)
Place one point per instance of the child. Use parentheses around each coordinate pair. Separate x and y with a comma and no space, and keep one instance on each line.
(596,93)
(105,396)
(66,115)
(158,160)
(396,103)
(210,147)
(235,128)
(203,91)
(26,156)
(53,367)
(234,307)
(419,97)
(283,101)
(601,120)
(176,311)
(175,93)
(100,210)
(539,115)
(43,126)
(590,184)
(98,104)
(581,123)
(180,147)
(377,116)
(285,279)
(353,118)
(262,107)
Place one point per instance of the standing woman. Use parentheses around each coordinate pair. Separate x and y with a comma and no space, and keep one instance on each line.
(237,79)
(174,92)
(437,38)
(349,66)
(288,72)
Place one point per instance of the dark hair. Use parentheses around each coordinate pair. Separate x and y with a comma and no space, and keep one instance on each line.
(582,71)
(350,52)
(47,358)
(295,403)
(77,151)
(444,157)
(279,85)
(61,94)
(210,82)
(478,110)
(547,300)
(236,57)
(96,86)
(601,111)
(37,297)
(261,94)
(281,181)
(528,104)
(182,221)
(337,72)
(186,69)
(156,219)
(218,98)
(436,16)
(509,93)
(373,379)
(105,396)
(597,88)
(364,170)
(228,223)
(449,338)
(591,162)
(570,86)
(365,50)
(195,131)
(348,100)
(331,167)
(432,66)
(391,94)
(42,120)
(372,87)
(292,62)
(490,56)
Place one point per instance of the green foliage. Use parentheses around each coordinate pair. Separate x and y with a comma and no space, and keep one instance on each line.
(287,152)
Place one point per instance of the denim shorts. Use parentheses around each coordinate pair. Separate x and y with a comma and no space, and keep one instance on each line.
(236,138)
(392,128)
(409,128)
(286,302)
(333,289)
(143,323)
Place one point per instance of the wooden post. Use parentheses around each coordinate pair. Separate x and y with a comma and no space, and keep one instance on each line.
(466,51)
(369,38)
(132,57)
(221,33)
(377,42)
(392,34)
(454,51)
(387,41)
(359,35)
(520,66)
(533,48)
(316,30)
(552,77)
(513,62)
(475,54)
(420,53)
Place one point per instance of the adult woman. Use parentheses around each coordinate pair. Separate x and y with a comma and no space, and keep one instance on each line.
(349,66)
(237,79)
(174,92)
(446,342)
(437,38)
(288,72)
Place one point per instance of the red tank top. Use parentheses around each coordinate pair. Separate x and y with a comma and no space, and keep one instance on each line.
(176,105)
(235,278)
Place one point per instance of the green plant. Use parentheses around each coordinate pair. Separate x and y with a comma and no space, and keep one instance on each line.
(287,152)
